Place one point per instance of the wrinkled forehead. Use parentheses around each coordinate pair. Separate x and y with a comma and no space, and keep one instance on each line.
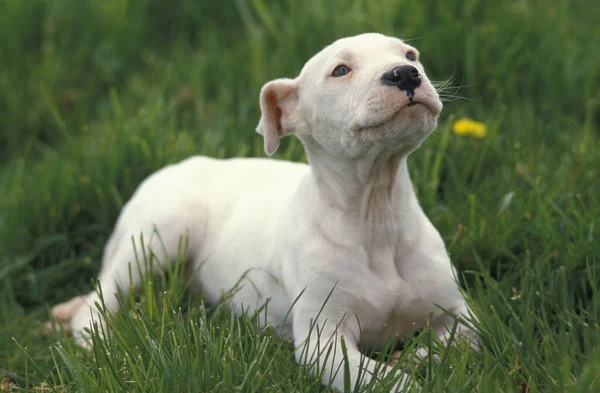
(361,47)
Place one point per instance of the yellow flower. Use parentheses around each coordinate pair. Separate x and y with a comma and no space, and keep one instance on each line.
(469,127)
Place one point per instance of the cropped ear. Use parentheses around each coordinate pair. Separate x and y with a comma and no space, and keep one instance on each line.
(278,99)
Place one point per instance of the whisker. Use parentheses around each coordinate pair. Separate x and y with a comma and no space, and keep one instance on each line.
(448,92)
(414,38)
(454,98)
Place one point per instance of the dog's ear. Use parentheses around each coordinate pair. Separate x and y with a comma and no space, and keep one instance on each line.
(278,99)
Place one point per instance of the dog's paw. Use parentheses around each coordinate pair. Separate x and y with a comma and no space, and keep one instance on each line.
(396,357)
(85,320)
(61,315)
(423,354)
(65,311)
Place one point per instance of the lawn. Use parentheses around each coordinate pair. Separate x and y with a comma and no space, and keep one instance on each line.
(95,96)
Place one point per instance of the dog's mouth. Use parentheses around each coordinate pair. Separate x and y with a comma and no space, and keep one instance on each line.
(412,103)
(396,109)
(423,101)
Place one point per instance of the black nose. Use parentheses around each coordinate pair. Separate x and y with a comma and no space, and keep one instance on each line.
(404,77)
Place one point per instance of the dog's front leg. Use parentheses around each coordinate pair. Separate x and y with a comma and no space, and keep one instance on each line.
(443,325)
(332,353)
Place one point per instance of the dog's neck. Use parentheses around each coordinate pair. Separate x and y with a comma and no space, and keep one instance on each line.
(372,192)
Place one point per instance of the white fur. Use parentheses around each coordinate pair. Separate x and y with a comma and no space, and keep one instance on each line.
(350,220)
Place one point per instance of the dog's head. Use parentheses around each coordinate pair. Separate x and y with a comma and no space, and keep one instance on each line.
(359,93)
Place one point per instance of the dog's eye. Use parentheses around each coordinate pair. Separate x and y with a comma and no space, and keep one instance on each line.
(412,56)
(340,70)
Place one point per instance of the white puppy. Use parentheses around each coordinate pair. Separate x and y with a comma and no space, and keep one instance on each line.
(346,232)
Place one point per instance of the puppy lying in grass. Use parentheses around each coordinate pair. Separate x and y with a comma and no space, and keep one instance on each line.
(341,247)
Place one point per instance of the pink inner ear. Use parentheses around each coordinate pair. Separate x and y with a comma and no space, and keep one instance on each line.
(275,103)
(278,115)
(272,112)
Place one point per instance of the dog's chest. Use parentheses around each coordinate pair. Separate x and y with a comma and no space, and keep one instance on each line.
(392,310)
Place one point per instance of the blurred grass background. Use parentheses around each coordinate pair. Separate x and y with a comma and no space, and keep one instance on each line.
(95,96)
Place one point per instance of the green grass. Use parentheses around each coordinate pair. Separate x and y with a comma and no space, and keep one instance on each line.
(95,96)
